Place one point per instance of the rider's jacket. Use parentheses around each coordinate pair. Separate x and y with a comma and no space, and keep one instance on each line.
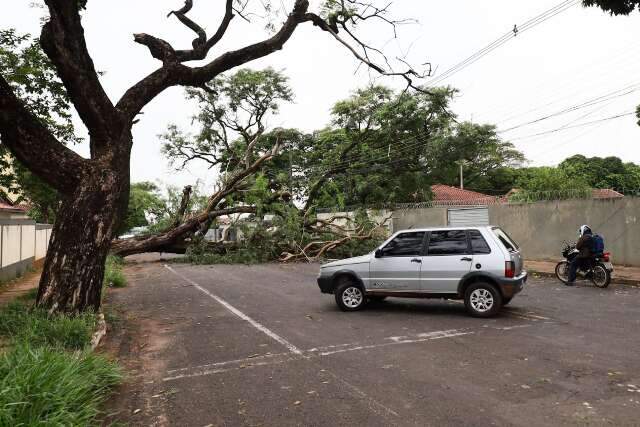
(584,245)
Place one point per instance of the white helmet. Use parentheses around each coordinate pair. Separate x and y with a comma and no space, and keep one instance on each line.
(585,229)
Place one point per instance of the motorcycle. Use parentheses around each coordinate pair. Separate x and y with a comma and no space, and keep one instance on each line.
(599,269)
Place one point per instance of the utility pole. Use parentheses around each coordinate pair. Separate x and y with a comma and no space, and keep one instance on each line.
(462,164)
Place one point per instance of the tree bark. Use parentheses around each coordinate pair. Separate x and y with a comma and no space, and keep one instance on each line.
(86,223)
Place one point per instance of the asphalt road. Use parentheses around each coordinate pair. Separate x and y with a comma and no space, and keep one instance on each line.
(259,345)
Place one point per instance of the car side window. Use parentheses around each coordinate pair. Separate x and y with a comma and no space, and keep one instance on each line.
(448,242)
(405,244)
(478,244)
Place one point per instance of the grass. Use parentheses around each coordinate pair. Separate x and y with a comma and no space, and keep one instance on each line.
(113,275)
(21,323)
(45,386)
(48,376)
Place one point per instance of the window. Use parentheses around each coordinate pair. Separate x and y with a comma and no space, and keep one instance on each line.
(448,242)
(478,244)
(405,244)
(505,239)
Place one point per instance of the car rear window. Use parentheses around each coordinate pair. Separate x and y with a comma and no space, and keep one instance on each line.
(507,241)
(478,244)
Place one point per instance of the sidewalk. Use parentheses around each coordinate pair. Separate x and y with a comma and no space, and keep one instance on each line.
(622,275)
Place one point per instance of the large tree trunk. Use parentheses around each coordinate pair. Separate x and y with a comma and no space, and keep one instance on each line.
(73,271)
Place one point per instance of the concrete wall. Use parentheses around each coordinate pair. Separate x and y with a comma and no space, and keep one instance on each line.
(415,218)
(540,228)
(22,242)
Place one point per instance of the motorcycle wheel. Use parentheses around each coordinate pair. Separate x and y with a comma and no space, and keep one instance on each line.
(562,271)
(601,277)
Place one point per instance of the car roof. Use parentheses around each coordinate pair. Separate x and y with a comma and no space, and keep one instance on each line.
(448,227)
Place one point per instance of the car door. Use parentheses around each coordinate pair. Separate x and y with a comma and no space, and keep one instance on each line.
(397,265)
(448,258)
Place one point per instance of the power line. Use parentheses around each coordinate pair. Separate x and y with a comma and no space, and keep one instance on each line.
(585,104)
(561,7)
(617,116)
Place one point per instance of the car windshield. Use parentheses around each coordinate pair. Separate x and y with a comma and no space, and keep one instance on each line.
(507,241)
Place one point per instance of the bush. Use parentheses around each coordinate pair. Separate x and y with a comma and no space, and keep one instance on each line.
(20,323)
(45,386)
(113,275)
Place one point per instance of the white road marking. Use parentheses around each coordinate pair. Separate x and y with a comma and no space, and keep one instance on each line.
(275,359)
(292,348)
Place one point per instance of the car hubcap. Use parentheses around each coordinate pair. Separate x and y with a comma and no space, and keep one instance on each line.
(352,297)
(481,300)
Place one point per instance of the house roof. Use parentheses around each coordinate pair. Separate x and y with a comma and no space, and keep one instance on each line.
(6,207)
(447,194)
(606,193)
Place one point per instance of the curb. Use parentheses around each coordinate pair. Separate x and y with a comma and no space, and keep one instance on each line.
(616,280)
(99,333)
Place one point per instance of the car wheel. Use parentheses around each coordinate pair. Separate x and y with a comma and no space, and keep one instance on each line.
(482,299)
(349,295)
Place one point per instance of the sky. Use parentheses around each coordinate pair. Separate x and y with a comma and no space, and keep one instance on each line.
(581,60)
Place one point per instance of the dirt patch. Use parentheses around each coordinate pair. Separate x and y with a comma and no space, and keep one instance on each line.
(21,285)
(137,339)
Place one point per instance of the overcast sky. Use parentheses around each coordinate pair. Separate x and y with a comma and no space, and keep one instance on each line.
(571,58)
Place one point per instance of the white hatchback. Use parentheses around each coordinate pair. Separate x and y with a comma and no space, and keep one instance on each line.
(481,265)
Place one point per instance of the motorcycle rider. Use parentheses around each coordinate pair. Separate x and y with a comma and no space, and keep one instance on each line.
(583,245)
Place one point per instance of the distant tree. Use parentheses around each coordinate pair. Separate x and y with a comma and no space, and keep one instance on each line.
(145,201)
(608,172)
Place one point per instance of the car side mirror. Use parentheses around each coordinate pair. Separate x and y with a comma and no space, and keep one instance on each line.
(378,253)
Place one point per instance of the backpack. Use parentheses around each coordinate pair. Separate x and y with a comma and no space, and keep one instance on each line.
(597,243)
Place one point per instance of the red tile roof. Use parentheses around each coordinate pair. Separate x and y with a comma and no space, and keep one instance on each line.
(448,194)
(606,193)
(6,207)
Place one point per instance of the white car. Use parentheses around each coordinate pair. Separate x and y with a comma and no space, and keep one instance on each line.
(481,265)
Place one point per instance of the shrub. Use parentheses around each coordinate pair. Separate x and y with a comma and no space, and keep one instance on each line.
(20,323)
(45,386)
(113,275)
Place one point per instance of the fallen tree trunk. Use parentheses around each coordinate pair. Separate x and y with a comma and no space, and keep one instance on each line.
(172,240)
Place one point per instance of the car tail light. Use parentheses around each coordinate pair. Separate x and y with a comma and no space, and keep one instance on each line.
(509,269)
(606,256)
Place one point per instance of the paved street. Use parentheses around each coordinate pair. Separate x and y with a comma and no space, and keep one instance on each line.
(259,345)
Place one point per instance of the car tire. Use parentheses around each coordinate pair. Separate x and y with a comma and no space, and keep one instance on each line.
(482,299)
(349,294)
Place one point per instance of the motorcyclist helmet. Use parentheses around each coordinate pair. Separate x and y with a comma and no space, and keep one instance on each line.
(585,229)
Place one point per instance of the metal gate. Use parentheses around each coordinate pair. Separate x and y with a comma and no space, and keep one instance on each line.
(466,217)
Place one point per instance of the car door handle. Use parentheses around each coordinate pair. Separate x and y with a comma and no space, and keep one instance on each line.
(466,259)
(418,260)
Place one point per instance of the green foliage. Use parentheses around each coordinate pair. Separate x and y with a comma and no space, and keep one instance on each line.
(45,386)
(233,111)
(144,201)
(615,7)
(21,323)
(113,275)
(608,172)
(34,80)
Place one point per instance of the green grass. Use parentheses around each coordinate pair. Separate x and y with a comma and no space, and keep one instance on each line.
(48,387)
(21,323)
(48,376)
(113,275)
